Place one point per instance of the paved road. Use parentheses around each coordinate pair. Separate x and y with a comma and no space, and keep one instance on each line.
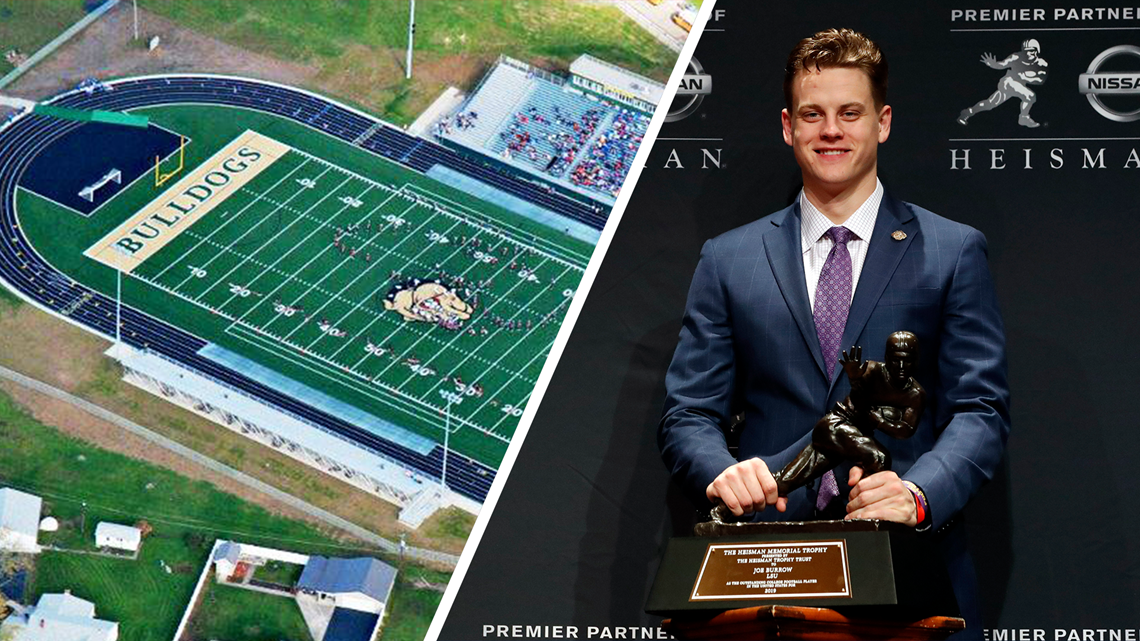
(181,450)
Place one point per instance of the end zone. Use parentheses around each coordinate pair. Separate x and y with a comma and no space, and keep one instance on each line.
(187,201)
(83,155)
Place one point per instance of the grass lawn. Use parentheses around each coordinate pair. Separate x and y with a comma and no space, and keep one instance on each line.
(451,522)
(27,26)
(455,41)
(8,299)
(145,598)
(412,607)
(227,612)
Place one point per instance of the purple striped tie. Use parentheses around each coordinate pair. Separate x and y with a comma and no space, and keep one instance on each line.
(832,302)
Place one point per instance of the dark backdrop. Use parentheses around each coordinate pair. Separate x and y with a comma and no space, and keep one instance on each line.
(586,510)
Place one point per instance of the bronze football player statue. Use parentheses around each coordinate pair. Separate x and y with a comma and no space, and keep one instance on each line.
(884,397)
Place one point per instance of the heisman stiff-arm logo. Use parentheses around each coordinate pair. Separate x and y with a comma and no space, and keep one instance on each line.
(1023,69)
(1095,83)
(428,301)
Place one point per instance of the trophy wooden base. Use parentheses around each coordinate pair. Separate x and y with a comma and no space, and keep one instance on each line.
(815,580)
(808,623)
(823,564)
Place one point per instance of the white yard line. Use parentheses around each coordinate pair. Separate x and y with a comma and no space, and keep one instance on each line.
(272,238)
(320,227)
(349,378)
(380,314)
(521,236)
(404,324)
(411,233)
(247,232)
(317,285)
(231,219)
(458,250)
(520,405)
(410,262)
(520,341)
(540,354)
(473,352)
(331,373)
(400,358)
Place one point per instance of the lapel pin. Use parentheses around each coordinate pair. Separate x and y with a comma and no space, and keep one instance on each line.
(898,234)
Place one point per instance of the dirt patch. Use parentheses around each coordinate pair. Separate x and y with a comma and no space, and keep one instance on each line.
(54,352)
(106,49)
(371,77)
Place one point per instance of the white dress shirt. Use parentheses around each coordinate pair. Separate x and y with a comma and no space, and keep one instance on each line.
(816,245)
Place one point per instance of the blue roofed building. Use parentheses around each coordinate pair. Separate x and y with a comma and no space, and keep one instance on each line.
(345,599)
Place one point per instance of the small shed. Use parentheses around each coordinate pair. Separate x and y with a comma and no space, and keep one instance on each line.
(118,537)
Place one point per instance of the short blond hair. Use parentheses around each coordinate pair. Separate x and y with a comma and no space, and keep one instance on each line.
(838,48)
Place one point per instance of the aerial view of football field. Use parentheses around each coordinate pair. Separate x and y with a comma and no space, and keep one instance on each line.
(351,274)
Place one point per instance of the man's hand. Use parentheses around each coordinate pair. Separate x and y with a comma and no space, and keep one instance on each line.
(880,496)
(746,487)
(990,60)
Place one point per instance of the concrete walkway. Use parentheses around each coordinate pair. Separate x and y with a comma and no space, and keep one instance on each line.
(384,544)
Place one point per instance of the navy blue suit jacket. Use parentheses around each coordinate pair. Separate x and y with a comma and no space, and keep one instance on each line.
(748,343)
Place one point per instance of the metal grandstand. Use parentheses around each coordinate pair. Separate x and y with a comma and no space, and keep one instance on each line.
(522,118)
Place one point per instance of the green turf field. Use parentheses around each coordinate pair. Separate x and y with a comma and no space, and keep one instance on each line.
(293,270)
(82,485)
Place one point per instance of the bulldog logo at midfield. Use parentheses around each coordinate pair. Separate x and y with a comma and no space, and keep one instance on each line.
(428,301)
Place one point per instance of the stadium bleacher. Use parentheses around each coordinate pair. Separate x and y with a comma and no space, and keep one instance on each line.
(541,124)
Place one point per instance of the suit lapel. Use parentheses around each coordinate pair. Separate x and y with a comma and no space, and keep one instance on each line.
(782,246)
(883,256)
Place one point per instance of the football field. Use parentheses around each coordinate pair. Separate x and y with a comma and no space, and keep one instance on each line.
(357,278)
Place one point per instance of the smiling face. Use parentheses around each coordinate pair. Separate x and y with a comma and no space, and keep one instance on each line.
(835,129)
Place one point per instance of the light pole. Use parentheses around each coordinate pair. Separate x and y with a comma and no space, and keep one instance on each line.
(411,39)
(118,305)
(135,4)
(446,434)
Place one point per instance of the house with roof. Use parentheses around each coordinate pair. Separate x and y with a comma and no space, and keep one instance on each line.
(350,596)
(59,617)
(19,521)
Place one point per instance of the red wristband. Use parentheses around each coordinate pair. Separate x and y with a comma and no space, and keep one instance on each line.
(920,507)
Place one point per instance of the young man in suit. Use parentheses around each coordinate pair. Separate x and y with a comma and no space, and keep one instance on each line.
(772,304)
